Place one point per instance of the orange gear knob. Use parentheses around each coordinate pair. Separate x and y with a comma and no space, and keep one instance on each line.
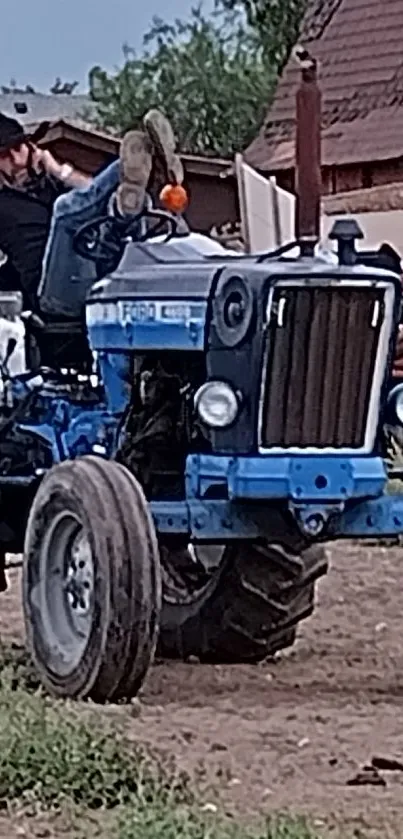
(174,198)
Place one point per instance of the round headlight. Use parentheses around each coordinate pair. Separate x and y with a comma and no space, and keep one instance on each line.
(395,405)
(217,404)
(399,404)
(233,310)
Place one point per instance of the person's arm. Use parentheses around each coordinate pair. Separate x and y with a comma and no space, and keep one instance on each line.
(63,172)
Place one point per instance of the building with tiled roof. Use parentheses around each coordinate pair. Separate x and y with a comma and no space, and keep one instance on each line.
(44,107)
(358,46)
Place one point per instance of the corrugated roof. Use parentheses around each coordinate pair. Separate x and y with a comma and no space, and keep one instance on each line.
(88,134)
(358,44)
(39,107)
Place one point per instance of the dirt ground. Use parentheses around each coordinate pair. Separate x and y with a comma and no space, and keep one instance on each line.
(291,735)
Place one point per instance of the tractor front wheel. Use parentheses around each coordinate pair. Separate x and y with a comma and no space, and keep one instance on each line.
(91,581)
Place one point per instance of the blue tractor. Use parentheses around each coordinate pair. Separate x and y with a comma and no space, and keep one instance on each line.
(175,450)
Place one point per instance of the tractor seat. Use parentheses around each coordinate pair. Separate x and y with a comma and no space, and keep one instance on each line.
(56,336)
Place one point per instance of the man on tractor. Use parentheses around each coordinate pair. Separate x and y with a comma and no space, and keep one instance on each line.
(44,202)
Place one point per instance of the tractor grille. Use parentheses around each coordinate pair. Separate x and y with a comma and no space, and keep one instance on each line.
(322,348)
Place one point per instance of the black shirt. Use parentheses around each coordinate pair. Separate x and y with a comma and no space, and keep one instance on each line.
(25,216)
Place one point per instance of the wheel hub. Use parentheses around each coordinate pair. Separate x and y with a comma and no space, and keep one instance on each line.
(79,580)
(63,598)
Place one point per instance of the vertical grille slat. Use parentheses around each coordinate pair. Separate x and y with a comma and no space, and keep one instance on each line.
(299,352)
(313,386)
(320,362)
(331,373)
(364,362)
(278,372)
(348,398)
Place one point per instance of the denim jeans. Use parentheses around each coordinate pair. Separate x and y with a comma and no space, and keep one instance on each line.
(66,276)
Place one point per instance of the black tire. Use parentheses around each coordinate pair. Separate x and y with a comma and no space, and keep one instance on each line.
(92,622)
(248,609)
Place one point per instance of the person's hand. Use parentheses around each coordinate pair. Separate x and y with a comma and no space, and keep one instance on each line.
(43,159)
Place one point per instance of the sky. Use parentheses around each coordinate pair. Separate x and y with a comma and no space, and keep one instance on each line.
(42,39)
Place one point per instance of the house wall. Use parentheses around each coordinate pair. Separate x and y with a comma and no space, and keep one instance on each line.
(213,201)
(377,228)
(87,160)
(387,172)
(346,178)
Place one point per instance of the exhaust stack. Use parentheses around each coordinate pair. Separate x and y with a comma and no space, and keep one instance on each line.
(308,176)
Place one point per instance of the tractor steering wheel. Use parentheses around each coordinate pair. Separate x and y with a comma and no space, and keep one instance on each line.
(104,237)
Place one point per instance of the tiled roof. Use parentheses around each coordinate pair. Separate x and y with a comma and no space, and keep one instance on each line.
(358,45)
(87,133)
(38,107)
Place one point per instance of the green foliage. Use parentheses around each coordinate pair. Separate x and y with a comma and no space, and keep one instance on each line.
(186,824)
(276,23)
(59,755)
(50,754)
(67,758)
(16,664)
(210,75)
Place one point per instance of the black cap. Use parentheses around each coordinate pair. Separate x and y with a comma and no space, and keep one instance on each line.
(12,133)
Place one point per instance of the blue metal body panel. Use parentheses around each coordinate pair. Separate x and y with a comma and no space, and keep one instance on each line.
(302,478)
(87,432)
(347,500)
(115,374)
(227,521)
(71,428)
(147,325)
(146,336)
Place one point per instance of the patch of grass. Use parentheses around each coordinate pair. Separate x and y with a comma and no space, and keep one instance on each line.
(56,756)
(17,665)
(49,754)
(187,824)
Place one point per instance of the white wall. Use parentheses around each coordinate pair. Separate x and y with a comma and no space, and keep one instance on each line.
(377,228)
(258,200)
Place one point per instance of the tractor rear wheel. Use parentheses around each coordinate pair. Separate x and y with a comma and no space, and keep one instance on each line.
(91,581)
(246,609)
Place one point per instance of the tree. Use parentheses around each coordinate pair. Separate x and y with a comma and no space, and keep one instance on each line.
(66,88)
(209,74)
(276,24)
